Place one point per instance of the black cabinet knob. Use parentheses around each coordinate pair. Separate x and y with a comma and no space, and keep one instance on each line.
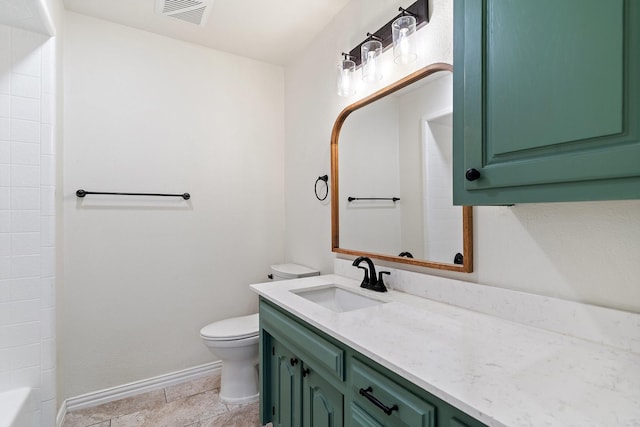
(293,361)
(472,174)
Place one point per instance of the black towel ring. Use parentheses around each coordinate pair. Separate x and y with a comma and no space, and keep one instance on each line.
(325,179)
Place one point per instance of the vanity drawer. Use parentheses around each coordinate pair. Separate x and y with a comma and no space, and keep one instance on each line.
(360,418)
(376,393)
(313,347)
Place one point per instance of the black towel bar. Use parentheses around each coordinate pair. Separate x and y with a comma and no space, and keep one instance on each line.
(82,193)
(393,199)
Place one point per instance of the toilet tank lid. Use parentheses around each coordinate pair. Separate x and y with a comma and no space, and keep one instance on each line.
(293,271)
(233,328)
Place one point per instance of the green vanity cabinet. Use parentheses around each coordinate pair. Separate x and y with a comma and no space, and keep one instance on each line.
(310,379)
(300,396)
(303,385)
(546,101)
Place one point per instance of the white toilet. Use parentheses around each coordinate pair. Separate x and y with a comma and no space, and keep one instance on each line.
(235,342)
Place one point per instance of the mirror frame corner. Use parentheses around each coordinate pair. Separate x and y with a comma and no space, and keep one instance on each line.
(467,211)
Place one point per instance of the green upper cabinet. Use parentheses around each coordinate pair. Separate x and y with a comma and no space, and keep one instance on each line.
(546,101)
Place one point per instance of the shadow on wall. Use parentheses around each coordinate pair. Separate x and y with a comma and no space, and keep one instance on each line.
(133,203)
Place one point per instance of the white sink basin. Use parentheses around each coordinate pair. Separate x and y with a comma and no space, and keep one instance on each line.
(337,299)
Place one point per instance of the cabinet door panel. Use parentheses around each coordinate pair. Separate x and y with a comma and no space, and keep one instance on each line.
(547,100)
(287,388)
(542,80)
(322,403)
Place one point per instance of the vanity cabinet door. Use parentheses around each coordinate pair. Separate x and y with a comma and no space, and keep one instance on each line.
(286,391)
(321,402)
(301,373)
(546,101)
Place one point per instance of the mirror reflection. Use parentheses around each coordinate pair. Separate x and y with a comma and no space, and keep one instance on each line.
(394,176)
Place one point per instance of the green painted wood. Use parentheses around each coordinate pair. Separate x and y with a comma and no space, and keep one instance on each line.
(310,345)
(412,410)
(542,80)
(546,100)
(266,384)
(322,403)
(360,418)
(287,389)
(454,422)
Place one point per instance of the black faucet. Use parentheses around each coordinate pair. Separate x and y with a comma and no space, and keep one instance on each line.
(370,281)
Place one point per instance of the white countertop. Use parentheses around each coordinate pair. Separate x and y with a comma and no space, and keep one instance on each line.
(503,373)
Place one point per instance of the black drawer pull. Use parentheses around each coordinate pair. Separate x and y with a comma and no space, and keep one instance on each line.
(366,393)
(305,372)
(293,361)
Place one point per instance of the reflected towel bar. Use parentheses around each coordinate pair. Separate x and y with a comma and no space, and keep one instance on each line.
(393,199)
(82,193)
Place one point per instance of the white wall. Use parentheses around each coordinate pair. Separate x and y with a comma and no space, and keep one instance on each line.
(145,113)
(577,251)
(27,219)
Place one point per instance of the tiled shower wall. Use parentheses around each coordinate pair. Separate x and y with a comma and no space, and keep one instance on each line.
(27,219)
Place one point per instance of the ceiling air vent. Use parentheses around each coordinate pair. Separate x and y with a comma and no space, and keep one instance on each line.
(193,11)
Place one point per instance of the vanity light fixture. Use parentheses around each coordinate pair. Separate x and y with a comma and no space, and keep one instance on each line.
(371,51)
(346,76)
(404,45)
(399,32)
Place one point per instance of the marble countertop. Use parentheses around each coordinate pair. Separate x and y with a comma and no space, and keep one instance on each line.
(501,372)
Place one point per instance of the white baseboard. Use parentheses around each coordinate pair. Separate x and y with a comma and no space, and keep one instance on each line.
(61,414)
(127,390)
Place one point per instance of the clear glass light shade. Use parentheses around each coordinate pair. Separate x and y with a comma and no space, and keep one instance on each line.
(371,53)
(346,78)
(404,44)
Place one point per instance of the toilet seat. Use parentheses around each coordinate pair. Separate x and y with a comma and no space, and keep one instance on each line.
(236,328)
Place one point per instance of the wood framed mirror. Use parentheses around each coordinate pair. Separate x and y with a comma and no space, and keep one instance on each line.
(391,177)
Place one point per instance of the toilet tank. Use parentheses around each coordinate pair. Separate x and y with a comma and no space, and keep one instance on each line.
(291,271)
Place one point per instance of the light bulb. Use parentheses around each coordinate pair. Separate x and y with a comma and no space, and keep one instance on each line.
(404,49)
(370,53)
(346,78)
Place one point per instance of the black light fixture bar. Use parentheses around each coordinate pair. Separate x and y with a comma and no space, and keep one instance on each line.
(419,9)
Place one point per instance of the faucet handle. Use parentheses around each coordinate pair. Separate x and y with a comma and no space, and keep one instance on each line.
(380,281)
(365,279)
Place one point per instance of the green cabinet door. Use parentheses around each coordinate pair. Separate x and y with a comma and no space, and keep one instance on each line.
(285,395)
(546,100)
(321,403)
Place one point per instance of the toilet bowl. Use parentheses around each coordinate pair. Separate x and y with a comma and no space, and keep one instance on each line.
(234,341)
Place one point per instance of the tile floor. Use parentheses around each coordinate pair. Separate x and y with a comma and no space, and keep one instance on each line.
(190,404)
